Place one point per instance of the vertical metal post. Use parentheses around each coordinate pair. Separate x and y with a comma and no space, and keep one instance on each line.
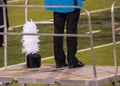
(5,36)
(26,11)
(91,43)
(26,18)
(113,36)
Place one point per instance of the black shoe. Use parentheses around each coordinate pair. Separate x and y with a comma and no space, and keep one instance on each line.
(77,65)
(62,65)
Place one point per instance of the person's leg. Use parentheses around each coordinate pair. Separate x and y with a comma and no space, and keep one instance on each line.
(59,22)
(7,20)
(71,26)
(1,38)
(1,29)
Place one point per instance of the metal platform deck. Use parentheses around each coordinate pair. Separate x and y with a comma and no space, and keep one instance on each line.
(48,74)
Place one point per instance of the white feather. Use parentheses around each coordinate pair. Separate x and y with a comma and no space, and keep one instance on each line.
(30,43)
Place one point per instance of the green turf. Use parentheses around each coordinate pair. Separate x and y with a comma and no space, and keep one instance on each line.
(38,14)
(46,45)
(102,37)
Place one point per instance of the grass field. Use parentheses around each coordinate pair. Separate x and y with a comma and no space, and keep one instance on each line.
(46,45)
(90,5)
(101,21)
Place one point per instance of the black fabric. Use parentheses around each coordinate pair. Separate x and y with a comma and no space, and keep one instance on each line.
(70,20)
(33,60)
(2,22)
(75,4)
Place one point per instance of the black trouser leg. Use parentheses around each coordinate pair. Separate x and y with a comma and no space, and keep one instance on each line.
(1,38)
(59,22)
(71,26)
(1,29)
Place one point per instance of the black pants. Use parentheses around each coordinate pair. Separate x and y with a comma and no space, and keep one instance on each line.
(70,20)
(2,22)
(1,29)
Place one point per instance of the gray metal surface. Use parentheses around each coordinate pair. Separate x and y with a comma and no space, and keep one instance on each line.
(6,81)
(48,74)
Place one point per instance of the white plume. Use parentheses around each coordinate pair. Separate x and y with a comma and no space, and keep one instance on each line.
(30,42)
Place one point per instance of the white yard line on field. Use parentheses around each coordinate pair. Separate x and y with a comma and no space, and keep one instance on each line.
(95,31)
(47,58)
(12,1)
(49,21)
(100,10)
(36,22)
(100,46)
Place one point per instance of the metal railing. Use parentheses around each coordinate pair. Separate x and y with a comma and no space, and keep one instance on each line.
(26,6)
(113,35)
(5,36)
